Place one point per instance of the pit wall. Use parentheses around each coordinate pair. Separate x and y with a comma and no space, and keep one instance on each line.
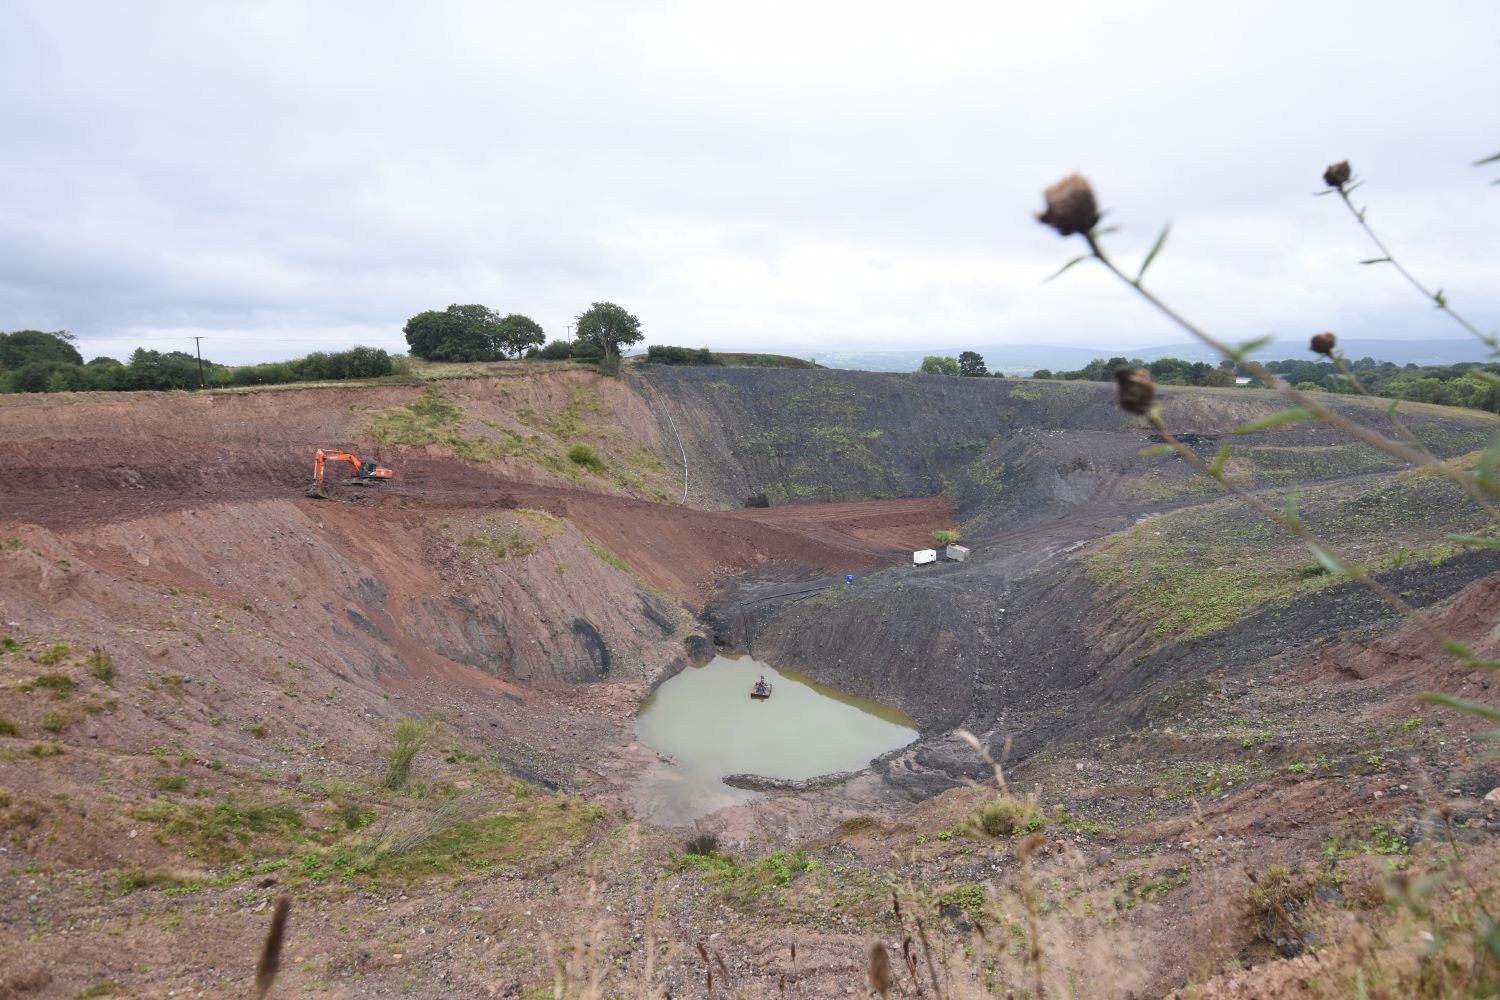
(1008,452)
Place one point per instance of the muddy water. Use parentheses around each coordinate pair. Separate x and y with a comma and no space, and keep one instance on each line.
(706,721)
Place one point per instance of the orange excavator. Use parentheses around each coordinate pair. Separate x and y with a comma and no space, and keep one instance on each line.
(365,473)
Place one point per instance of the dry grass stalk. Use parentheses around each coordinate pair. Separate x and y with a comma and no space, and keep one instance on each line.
(581,975)
(713,960)
(1024,850)
(984,752)
(908,950)
(723,971)
(270,954)
(937,986)
(648,972)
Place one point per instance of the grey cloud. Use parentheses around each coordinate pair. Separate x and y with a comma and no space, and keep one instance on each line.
(793,176)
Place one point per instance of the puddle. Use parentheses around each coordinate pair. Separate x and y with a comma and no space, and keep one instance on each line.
(705,719)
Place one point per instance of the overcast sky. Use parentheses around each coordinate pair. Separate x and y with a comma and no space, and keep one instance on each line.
(286,177)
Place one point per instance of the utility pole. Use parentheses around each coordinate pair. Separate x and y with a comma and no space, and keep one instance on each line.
(570,332)
(198,343)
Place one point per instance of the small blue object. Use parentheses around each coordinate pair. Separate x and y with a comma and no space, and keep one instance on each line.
(849,579)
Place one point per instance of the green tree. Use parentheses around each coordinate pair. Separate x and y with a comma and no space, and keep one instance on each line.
(1042,373)
(608,327)
(586,351)
(971,365)
(25,347)
(935,365)
(517,334)
(1222,378)
(556,350)
(459,333)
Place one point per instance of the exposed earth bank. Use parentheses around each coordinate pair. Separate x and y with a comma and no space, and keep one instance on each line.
(202,671)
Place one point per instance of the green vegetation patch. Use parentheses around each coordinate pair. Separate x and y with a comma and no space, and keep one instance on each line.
(516,543)
(223,833)
(1196,571)
(733,360)
(431,419)
(548,828)
(1027,391)
(582,454)
(101,665)
(820,428)
(746,880)
(552,442)
(60,685)
(434,419)
(971,896)
(609,558)
(55,654)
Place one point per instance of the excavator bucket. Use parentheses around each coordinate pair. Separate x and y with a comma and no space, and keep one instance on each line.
(316,492)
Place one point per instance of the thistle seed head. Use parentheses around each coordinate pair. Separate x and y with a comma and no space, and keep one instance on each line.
(1136,390)
(1322,343)
(1337,174)
(1029,845)
(1070,206)
(881,977)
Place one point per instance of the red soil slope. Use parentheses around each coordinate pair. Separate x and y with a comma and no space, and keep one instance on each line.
(70,462)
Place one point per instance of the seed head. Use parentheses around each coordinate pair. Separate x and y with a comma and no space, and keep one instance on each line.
(1070,206)
(1322,343)
(270,955)
(881,978)
(1136,389)
(1029,845)
(1337,174)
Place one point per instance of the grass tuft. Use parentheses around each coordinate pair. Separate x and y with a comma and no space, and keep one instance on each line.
(101,665)
(408,738)
(1006,817)
(582,454)
(704,845)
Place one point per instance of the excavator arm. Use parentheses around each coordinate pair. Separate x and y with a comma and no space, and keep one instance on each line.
(365,473)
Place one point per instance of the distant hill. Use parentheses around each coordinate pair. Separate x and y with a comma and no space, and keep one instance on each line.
(1023,359)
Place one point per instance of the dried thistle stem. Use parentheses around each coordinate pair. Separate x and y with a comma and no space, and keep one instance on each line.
(1488,339)
(1296,527)
(1305,400)
(1473,490)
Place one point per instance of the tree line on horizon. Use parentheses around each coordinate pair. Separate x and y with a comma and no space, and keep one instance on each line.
(478,333)
(1446,385)
(34,361)
(38,361)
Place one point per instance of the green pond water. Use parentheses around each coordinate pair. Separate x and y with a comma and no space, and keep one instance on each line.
(705,719)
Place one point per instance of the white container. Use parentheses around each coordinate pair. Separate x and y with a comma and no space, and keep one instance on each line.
(922,557)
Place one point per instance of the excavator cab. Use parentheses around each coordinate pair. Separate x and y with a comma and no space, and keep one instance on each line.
(365,473)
